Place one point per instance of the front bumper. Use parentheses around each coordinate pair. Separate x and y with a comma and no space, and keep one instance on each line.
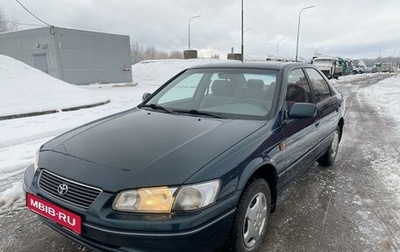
(206,238)
(106,230)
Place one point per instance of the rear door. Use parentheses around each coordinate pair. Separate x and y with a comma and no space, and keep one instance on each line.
(328,108)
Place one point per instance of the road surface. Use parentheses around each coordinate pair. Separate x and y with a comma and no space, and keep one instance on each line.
(349,206)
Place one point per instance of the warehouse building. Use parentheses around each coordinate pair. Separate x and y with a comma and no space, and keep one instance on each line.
(74,56)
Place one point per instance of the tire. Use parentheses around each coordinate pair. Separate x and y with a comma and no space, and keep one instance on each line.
(251,219)
(328,158)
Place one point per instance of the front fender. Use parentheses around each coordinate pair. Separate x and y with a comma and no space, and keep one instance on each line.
(257,167)
(248,171)
(260,168)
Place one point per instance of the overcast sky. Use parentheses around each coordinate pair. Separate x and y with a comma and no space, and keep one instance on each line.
(345,28)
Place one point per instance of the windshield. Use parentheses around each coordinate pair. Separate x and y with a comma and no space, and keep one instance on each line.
(218,92)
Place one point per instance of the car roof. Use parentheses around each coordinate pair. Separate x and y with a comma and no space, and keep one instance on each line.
(278,65)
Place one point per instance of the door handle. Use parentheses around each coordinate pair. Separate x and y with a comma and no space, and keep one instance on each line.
(316,123)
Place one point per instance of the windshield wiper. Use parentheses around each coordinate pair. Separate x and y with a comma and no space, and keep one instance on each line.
(156,107)
(197,112)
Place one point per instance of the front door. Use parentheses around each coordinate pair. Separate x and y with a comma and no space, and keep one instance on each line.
(300,134)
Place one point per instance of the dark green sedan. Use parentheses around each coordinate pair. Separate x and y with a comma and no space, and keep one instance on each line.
(197,166)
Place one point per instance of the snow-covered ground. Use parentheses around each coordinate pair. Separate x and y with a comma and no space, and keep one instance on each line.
(385,98)
(24,89)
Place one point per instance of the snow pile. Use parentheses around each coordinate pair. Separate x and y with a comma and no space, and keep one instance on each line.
(12,198)
(157,72)
(353,77)
(24,89)
(385,97)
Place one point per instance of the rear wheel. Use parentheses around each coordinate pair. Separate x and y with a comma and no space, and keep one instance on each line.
(330,155)
(251,218)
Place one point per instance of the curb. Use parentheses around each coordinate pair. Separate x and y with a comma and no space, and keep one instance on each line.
(52,111)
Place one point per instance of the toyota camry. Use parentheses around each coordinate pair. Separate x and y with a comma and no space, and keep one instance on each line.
(197,166)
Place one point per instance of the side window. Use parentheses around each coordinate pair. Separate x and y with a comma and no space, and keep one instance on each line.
(298,89)
(321,88)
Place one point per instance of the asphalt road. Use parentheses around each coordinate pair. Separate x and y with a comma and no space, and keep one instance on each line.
(346,207)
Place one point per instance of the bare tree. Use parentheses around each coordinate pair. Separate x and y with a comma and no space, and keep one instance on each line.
(150,52)
(162,55)
(176,55)
(138,53)
(6,25)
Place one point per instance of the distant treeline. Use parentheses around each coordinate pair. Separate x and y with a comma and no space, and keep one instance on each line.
(140,53)
(395,61)
(6,25)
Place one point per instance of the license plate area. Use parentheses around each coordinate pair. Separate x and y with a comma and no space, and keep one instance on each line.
(55,213)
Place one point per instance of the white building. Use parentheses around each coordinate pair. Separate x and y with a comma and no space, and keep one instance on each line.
(75,56)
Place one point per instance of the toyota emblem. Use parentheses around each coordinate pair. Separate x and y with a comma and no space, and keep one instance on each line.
(62,189)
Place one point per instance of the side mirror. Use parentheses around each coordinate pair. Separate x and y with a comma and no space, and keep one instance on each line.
(145,96)
(302,110)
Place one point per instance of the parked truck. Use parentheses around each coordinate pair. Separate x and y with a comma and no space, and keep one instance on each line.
(329,66)
(386,67)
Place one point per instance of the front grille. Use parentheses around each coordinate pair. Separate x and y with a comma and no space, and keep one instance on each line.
(78,194)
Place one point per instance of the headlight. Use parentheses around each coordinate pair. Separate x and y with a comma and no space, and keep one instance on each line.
(152,200)
(192,197)
(163,200)
(36,161)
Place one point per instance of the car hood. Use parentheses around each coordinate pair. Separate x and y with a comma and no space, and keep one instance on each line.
(139,148)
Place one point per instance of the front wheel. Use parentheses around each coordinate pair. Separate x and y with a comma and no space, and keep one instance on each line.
(330,155)
(251,218)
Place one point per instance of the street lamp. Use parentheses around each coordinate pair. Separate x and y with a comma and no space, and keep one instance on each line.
(242,47)
(190,19)
(277,46)
(298,30)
